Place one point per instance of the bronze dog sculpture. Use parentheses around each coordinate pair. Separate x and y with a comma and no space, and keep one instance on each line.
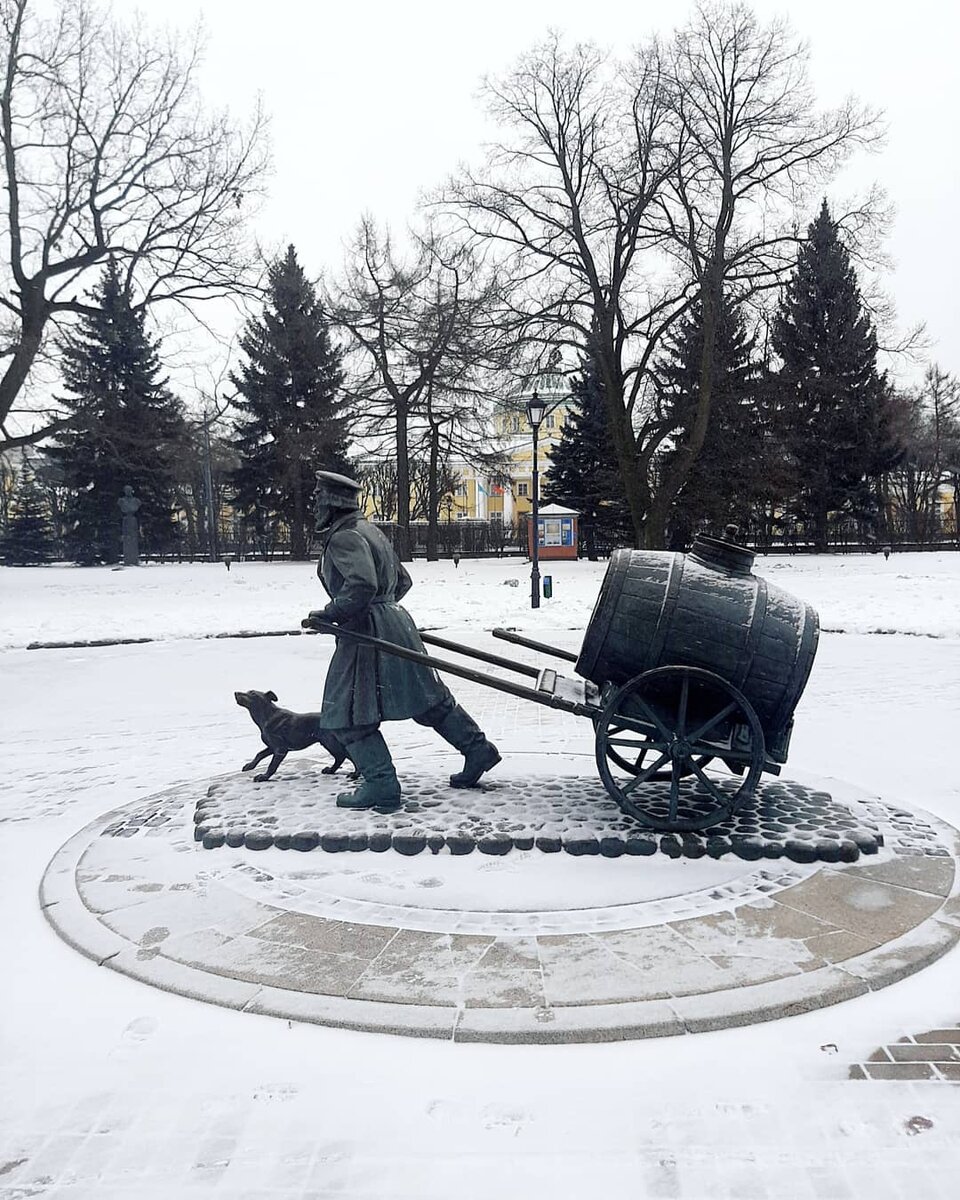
(283,731)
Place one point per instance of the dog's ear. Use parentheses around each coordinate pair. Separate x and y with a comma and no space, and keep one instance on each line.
(272,696)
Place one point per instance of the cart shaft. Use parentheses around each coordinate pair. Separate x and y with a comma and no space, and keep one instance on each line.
(494,659)
(508,635)
(546,698)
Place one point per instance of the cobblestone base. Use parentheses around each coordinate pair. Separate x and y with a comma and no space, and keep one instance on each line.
(553,813)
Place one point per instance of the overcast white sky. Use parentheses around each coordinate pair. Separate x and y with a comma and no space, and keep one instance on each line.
(372,101)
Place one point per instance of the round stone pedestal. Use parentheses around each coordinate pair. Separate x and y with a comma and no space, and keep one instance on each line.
(543,923)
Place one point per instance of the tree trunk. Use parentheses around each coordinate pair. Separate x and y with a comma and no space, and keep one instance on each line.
(912,504)
(621,431)
(298,539)
(34,314)
(655,537)
(956,509)
(820,543)
(883,525)
(403,487)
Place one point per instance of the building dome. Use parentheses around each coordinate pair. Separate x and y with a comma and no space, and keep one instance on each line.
(549,385)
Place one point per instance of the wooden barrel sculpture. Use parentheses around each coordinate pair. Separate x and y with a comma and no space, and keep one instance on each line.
(704,609)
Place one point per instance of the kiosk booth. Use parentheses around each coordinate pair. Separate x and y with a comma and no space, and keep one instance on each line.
(557,530)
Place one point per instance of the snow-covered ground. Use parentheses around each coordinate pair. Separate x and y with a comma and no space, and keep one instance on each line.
(861,593)
(112,1089)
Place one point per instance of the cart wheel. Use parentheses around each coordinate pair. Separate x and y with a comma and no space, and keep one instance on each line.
(666,725)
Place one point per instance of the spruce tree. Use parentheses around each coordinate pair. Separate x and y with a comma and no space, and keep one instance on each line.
(28,540)
(583,473)
(725,481)
(292,421)
(128,428)
(835,403)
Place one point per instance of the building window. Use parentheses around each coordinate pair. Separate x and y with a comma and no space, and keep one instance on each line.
(496,518)
(462,489)
(551,532)
(551,424)
(523,489)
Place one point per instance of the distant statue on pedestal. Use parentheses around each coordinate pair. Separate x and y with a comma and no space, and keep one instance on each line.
(130,533)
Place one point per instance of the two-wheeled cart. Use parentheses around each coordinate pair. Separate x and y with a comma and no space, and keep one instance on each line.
(689,662)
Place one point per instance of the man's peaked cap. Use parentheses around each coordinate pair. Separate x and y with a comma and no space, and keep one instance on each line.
(337,490)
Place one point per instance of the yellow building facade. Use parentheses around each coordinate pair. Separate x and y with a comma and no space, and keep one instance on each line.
(484,497)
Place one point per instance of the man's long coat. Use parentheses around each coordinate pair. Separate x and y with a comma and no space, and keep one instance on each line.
(365,580)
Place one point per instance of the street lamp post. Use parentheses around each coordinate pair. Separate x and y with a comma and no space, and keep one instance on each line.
(535,410)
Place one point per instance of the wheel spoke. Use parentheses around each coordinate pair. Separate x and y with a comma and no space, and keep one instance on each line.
(664,731)
(682,713)
(708,783)
(715,720)
(674,789)
(648,771)
(645,774)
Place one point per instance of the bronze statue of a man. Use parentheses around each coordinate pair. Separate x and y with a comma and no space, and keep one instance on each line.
(365,582)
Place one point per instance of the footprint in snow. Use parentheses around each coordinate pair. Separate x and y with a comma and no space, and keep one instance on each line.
(141,1029)
(496,1116)
(277,1093)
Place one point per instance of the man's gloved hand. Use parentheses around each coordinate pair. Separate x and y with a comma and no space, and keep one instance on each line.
(317,615)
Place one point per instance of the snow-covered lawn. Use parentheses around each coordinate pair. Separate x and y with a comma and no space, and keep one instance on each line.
(110,1089)
(862,593)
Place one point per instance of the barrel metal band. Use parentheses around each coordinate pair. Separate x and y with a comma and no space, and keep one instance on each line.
(595,638)
(665,619)
(756,628)
(801,667)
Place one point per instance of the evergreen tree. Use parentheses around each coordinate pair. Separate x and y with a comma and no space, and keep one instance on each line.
(28,540)
(583,473)
(292,420)
(127,429)
(835,403)
(725,481)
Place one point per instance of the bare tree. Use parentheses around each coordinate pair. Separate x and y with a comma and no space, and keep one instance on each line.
(752,147)
(567,203)
(417,359)
(930,420)
(625,195)
(107,152)
(455,430)
(379,478)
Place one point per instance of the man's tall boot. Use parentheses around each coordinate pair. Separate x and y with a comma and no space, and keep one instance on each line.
(463,733)
(379,787)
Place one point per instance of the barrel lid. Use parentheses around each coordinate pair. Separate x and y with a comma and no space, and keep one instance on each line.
(722,554)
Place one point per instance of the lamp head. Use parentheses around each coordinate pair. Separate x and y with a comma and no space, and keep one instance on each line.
(535,410)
